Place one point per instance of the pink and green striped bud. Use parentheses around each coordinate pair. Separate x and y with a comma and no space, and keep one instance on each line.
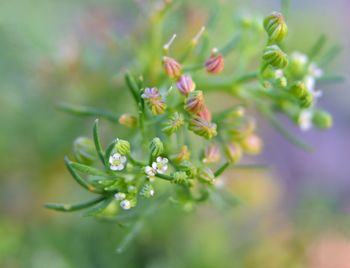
(211,154)
(215,64)
(202,127)
(274,56)
(175,122)
(122,147)
(233,152)
(172,67)
(275,27)
(195,102)
(182,155)
(185,85)
(205,113)
(154,100)
(128,120)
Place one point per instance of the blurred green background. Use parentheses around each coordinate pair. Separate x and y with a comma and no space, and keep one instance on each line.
(296,215)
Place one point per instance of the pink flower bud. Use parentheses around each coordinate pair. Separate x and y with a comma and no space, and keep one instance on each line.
(202,128)
(205,113)
(211,154)
(172,67)
(195,102)
(185,85)
(215,64)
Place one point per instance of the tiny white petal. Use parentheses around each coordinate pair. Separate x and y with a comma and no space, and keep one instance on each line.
(165,160)
(154,165)
(116,156)
(120,196)
(120,167)
(159,159)
(123,159)
(125,204)
(114,167)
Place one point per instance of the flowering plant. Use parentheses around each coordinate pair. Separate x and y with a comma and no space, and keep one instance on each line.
(179,147)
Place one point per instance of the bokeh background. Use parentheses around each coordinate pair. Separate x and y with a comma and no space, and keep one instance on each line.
(296,214)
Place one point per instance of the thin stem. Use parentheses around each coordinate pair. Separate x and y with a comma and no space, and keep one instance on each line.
(98,143)
(70,208)
(164,177)
(221,169)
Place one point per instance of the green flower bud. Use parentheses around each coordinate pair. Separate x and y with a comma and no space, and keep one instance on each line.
(298,89)
(175,122)
(206,175)
(156,147)
(281,82)
(122,147)
(180,177)
(322,119)
(233,152)
(84,150)
(147,191)
(252,144)
(128,120)
(275,27)
(274,56)
(307,100)
(189,168)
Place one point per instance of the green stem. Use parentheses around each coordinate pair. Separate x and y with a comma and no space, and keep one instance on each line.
(164,177)
(98,143)
(69,208)
(87,111)
(221,169)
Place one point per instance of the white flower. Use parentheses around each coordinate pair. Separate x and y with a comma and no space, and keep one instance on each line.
(315,71)
(125,204)
(150,171)
(278,73)
(305,120)
(299,58)
(117,161)
(310,83)
(120,196)
(161,165)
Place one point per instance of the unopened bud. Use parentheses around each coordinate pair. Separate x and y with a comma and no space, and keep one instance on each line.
(252,144)
(205,113)
(147,191)
(211,154)
(184,154)
(307,100)
(274,56)
(206,175)
(190,169)
(84,150)
(203,128)
(173,124)
(322,119)
(275,27)
(180,177)
(156,147)
(298,89)
(185,85)
(215,64)
(233,152)
(195,102)
(172,68)
(122,147)
(128,120)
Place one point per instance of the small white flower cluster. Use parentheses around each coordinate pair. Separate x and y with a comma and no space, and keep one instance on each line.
(159,166)
(305,120)
(117,162)
(124,203)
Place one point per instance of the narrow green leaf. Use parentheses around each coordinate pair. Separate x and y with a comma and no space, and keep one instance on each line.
(330,55)
(89,170)
(132,86)
(283,131)
(230,45)
(97,142)
(135,230)
(75,207)
(317,47)
(88,111)
(94,211)
(79,179)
